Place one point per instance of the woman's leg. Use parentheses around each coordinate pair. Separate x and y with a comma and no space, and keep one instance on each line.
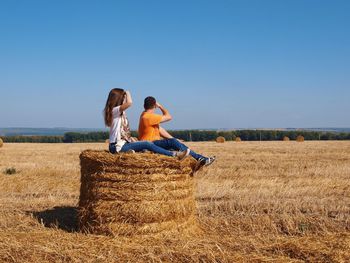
(174,144)
(112,148)
(145,145)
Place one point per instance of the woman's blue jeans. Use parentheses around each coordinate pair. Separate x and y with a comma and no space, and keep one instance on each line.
(140,146)
(174,144)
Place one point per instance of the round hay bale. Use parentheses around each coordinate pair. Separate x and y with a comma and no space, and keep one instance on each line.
(135,194)
(300,138)
(220,139)
(238,139)
(286,139)
(1,143)
(107,141)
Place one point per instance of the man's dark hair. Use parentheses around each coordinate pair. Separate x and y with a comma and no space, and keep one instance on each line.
(150,103)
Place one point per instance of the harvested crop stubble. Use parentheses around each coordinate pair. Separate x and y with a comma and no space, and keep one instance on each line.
(135,194)
(220,139)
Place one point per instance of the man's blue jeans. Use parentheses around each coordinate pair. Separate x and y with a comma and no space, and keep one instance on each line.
(140,146)
(174,144)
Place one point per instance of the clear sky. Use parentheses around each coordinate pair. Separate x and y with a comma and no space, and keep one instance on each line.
(213,64)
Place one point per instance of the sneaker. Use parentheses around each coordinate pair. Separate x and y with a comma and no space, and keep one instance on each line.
(207,161)
(200,163)
(131,151)
(182,155)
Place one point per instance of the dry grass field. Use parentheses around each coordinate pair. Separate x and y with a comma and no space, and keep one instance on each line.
(260,202)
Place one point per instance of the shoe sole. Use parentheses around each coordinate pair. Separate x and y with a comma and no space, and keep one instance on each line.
(211,162)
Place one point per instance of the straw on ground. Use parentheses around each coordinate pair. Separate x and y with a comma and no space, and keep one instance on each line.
(259,202)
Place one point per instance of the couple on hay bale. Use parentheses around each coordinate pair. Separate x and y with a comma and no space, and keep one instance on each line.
(152,137)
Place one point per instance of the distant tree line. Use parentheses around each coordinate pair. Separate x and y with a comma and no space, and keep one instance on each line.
(85,137)
(257,135)
(32,138)
(89,137)
(189,135)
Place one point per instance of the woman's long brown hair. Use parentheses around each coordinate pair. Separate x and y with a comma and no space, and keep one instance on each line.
(115,98)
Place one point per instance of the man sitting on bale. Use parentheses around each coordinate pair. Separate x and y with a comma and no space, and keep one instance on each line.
(150,130)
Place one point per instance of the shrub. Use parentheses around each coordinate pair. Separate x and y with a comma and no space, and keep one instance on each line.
(10,171)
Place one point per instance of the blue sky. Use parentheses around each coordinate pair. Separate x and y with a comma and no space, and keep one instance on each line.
(213,64)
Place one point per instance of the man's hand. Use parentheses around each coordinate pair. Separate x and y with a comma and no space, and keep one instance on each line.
(159,105)
(166,115)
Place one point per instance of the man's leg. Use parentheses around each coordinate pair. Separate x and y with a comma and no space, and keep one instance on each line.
(144,145)
(174,144)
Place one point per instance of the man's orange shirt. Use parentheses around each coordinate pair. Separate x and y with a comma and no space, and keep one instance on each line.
(149,126)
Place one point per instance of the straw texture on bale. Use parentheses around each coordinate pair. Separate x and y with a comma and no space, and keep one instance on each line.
(238,139)
(1,143)
(220,139)
(286,139)
(135,194)
(300,138)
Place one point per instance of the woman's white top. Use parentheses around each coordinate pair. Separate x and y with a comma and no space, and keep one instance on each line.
(115,129)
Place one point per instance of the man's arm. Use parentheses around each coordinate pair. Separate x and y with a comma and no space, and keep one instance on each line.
(166,135)
(163,133)
(166,115)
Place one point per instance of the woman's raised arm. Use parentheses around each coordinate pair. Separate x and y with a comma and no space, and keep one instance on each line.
(127,103)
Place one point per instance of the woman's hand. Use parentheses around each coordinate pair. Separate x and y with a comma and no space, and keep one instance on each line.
(127,101)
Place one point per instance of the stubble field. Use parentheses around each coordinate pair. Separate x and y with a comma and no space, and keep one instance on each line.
(260,202)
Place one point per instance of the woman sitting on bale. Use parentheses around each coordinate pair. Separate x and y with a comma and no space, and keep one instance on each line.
(119,134)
